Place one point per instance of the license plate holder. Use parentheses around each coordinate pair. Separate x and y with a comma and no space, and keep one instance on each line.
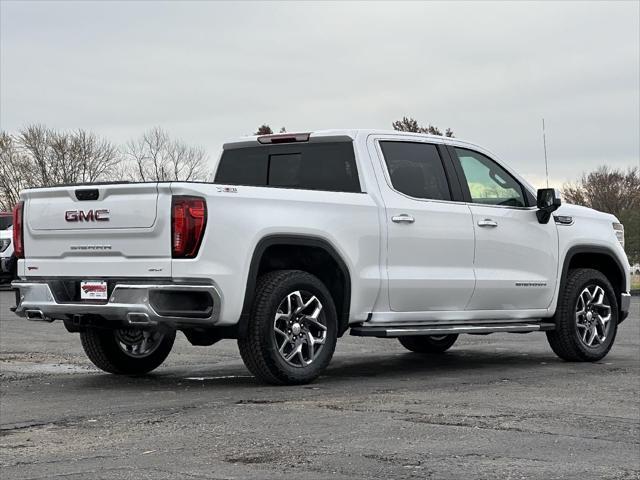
(93,290)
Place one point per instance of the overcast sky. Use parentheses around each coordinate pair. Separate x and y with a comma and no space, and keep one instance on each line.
(208,71)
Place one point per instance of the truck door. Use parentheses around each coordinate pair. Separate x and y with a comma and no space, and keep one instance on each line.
(516,257)
(430,236)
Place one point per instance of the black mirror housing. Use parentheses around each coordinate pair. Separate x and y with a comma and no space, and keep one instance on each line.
(548,201)
(548,197)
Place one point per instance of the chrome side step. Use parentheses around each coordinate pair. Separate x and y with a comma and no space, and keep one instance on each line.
(410,330)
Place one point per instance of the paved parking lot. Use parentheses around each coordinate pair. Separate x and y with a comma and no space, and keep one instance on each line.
(497,406)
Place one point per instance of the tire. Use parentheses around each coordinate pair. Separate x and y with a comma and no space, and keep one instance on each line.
(568,339)
(428,343)
(277,326)
(103,347)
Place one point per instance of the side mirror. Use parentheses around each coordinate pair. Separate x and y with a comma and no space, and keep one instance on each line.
(548,202)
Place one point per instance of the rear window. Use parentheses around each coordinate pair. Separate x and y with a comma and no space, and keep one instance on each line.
(311,166)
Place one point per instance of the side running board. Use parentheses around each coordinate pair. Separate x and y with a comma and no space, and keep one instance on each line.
(409,330)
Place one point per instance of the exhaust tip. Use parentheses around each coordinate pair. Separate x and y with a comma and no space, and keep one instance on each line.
(139,318)
(36,315)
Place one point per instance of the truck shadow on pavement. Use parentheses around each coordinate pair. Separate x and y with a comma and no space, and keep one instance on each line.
(467,366)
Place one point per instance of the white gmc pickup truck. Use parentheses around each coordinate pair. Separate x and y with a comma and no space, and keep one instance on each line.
(303,237)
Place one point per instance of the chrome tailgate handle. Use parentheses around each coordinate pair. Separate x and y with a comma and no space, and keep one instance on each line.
(487,222)
(404,218)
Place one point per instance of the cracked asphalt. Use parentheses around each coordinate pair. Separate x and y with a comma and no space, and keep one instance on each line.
(499,406)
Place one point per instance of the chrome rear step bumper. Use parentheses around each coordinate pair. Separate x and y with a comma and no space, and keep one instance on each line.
(410,330)
(131,304)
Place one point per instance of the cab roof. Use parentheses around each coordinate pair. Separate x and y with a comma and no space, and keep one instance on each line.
(353,134)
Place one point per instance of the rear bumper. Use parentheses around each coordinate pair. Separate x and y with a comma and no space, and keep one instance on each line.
(131,304)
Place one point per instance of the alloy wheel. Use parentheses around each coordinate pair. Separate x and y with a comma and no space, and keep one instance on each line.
(299,328)
(593,316)
(138,343)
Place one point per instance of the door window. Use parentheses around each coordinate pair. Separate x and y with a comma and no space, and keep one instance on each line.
(416,169)
(489,183)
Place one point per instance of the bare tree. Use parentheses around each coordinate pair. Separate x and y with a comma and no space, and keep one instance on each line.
(40,157)
(35,142)
(613,191)
(156,157)
(409,124)
(15,170)
(265,129)
(606,189)
(67,157)
(96,158)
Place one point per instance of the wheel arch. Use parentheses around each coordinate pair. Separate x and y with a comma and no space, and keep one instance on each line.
(599,258)
(276,244)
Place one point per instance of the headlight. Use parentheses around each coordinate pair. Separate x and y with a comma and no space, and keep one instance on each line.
(4,244)
(619,229)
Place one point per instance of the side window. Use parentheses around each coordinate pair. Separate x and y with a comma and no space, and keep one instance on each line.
(243,166)
(416,169)
(489,183)
(327,166)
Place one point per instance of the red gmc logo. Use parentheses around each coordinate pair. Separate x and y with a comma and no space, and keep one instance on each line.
(88,216)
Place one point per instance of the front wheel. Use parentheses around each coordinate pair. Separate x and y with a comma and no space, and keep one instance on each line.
(586,317)
(127,351)
(428,343)
(292,331)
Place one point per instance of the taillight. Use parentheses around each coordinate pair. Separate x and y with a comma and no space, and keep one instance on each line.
(188,220)
(18,230)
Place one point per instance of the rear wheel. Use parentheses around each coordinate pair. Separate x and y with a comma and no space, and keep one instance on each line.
(292,331)
(127,351)
(428,343)
(586,317)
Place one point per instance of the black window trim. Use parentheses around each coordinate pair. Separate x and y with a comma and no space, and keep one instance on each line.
(447,164)
(465,186)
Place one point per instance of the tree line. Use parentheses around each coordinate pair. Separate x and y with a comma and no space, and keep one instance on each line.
(38,156)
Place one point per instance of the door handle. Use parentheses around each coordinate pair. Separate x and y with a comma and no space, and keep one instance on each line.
(404,218)
(487,222)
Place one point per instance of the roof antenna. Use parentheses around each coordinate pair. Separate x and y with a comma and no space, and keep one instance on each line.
(544,142)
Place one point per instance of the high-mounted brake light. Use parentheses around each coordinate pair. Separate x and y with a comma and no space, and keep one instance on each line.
(284,138)
(188,221)
(18,230)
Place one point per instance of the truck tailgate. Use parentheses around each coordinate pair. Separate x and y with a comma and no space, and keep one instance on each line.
(87,231)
